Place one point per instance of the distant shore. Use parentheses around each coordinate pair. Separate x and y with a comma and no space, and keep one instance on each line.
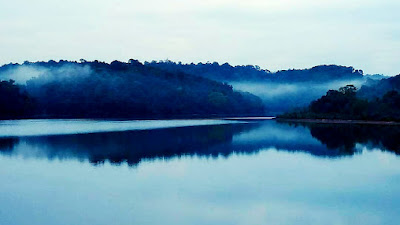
(179,117)
(250,118)
(337,121)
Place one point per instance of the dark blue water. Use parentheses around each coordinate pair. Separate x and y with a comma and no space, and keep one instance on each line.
(197,172)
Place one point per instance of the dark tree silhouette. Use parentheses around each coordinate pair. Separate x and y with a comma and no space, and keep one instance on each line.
(14,102)
(124,90)
(344,104)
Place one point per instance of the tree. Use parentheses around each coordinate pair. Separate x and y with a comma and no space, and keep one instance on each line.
(14,103)
(348,90)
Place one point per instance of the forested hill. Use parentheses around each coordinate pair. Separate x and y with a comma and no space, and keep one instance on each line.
(98,89)
(346,103)
(228,73)
(280,91)
(323,73)
(378,88)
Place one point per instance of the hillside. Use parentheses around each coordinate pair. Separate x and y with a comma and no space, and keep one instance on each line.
(98,89)
(227,73)
(346,104)
(378,88)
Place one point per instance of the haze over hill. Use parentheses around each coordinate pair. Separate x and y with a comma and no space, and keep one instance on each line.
(280,91)
(96,89)
(378,88)
(157,87)
(377,100)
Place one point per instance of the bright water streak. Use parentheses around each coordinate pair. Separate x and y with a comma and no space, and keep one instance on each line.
(41,127)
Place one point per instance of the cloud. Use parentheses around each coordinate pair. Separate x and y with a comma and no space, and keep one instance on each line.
(273,34)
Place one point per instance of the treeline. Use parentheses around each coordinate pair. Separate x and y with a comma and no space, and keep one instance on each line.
(67,89)
(346,104)
(214,71)
(280,91)
(323,73)
(226,72)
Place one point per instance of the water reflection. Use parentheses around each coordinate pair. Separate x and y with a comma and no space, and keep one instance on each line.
(271,187)
(7,145)
(322,140)
(131,146)
(347,137)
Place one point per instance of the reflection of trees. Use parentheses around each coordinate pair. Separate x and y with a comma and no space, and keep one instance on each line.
(7,144)
(345,136)
(134,146)
(207,141)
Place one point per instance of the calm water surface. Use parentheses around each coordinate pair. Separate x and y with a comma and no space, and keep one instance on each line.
(197,172)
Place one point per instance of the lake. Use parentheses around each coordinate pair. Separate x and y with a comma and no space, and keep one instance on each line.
(193,172)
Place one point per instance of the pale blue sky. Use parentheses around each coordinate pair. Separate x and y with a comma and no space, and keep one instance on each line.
(270,33)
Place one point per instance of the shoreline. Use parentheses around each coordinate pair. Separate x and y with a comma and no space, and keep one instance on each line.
(338,121)
(244,118)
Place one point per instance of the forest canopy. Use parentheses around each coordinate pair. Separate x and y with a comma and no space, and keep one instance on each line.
(280,91)
(345,103)
(227,73)
(170,89)
(68,89)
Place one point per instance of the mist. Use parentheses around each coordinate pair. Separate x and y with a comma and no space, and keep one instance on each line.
(117,90)
(23,73)
(67,84)
(280,97)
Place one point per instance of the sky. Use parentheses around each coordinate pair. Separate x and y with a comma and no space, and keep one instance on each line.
(274,34)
